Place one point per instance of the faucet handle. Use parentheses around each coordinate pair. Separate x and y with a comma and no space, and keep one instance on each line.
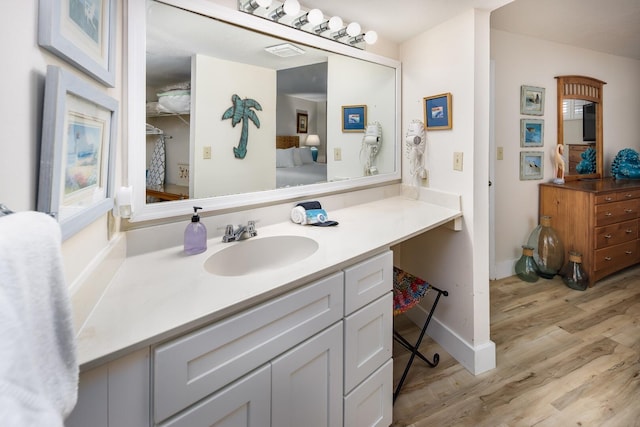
(228,234)
(251,228)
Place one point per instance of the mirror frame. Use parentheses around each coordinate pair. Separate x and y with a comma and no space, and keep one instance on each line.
(589,89)
(136,115)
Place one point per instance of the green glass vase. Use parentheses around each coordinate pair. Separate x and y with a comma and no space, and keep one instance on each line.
(548,250)
(526,267)
(573,274)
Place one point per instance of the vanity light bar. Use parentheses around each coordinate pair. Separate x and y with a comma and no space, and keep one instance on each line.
(290,13)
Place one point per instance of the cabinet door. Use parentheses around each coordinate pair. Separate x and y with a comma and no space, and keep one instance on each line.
(244,403)
(307,383)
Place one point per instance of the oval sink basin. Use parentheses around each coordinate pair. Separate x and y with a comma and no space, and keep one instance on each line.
(259,255)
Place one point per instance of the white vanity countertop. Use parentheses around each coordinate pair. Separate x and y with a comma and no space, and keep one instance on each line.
(157,295)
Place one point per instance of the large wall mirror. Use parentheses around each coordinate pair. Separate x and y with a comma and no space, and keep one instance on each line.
(214,116)
(580,125)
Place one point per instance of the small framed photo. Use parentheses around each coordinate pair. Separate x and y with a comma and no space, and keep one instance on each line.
(302,123)
(532,100)
(82,32)
(531,133)
(77,158)
(437,112)
(531,165)
(354,118)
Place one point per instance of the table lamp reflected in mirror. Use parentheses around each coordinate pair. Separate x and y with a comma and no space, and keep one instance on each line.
(313,141)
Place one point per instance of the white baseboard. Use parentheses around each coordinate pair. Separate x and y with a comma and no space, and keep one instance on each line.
(476,360)
(505,268)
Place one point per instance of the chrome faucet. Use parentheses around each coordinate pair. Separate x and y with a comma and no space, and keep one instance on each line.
(233,235)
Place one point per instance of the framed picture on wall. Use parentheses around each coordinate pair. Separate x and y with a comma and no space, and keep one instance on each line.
(531,165)
(531,132)
(437,112)
(82,32)
(77,159)
(302,123)
(532,100)
(354,118)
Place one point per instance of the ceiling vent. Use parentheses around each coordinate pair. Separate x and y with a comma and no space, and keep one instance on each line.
(284,50)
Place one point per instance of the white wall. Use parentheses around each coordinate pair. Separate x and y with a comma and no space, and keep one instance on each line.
(521,60)
(454,57)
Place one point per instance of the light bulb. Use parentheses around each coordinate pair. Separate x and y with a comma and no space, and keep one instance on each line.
(335,23)
(315,16)
(291,7)
(370,37)
(353,29)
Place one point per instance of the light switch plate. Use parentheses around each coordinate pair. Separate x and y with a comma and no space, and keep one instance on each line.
(500,153)
(206,152)
(457,161)
(337,154)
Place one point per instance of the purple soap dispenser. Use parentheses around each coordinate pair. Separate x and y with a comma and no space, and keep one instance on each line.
(195,235)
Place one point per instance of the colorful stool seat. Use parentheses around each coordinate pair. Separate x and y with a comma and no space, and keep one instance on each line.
(408,291)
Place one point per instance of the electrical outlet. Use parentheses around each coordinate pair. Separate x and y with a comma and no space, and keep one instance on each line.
(457,161)
(424,178)
(337,154)
(500,153)
(206,152)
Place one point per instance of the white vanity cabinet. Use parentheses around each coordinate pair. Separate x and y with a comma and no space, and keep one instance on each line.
(319,355)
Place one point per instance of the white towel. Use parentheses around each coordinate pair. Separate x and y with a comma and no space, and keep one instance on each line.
(38,368)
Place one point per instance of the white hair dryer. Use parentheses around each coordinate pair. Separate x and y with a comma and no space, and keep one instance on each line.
(415,146)
(371,147)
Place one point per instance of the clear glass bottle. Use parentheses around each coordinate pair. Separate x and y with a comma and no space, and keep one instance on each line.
(526,267)
(548,250)
(573,275)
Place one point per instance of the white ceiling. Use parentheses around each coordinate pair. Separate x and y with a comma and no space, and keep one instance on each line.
(611,26)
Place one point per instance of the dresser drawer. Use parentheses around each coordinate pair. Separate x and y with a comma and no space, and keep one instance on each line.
(190,368)
(617,257)
(367,281)
(616,233)
(368,337)
(611,213)
(617,197)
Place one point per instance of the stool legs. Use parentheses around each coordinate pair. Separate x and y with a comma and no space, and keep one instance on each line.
(413,348)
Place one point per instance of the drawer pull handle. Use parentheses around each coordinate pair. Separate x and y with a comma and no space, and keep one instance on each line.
(607,258)
(628,196)
(608,199)
(628,210)
(608,236)
(628,252)
(608,214)
(629,231)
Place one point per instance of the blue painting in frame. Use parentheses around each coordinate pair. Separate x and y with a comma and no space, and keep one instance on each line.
(438,112)
(354,118)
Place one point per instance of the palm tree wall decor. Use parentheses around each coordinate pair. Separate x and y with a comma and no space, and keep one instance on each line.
(242,111)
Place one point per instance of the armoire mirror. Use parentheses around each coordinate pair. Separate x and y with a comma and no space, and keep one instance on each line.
(580,123)
(379,88)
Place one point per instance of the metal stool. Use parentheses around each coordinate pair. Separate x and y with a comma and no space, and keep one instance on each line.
(408,291)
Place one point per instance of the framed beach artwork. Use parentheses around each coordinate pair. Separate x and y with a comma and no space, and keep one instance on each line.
(82,32)
(531,165)
(437,112)
(532,100)
(531,132)
(354,118)
(77,158)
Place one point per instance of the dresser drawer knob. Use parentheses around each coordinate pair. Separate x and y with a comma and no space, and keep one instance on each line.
(628,210)
(608,236)
(608,199)
(628,196)
(628,252)
(629,231)
(608,214)
(607,258)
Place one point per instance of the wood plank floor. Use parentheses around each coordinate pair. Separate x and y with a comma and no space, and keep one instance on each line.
(564,358)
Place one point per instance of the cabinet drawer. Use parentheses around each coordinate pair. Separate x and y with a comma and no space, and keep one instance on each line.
(244,403)
(617,197)
(370,404)
(194,366)
(367,281)
(617,256)
(367,340)
(616,212)
(616,233)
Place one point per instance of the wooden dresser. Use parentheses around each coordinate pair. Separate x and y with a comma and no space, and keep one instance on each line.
(598,218)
